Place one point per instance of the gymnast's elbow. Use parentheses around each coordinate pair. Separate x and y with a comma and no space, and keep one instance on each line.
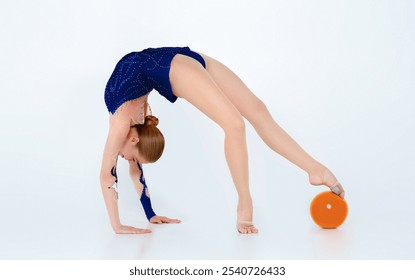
(106,180)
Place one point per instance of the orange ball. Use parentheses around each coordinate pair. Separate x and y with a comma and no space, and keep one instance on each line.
(328,210)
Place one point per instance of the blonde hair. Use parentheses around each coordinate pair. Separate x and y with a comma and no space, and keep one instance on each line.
(151,144)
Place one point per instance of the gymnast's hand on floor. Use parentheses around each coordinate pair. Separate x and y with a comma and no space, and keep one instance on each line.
(162,219)
(130,230)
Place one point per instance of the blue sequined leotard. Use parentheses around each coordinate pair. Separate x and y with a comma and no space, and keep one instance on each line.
(138,73)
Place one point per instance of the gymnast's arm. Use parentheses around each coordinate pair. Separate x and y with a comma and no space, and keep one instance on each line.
(138,178)
(118,131)
(144,194)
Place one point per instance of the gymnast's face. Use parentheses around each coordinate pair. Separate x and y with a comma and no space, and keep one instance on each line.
(129,151)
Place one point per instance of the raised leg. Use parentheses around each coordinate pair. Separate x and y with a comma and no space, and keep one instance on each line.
(256,112)
(193,83)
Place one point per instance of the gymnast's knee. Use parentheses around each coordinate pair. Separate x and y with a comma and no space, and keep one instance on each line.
(257,112)
(234,125)
(259,106)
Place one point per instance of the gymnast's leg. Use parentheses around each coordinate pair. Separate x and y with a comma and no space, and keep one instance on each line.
(255,111)
(192,82)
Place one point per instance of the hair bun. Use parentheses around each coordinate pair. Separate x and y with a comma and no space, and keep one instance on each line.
(151,120)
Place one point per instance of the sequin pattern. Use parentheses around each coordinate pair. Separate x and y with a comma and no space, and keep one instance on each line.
(138,73)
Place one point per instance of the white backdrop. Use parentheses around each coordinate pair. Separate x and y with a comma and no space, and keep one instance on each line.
(338,76)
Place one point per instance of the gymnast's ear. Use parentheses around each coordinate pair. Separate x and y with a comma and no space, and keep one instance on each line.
(135,139)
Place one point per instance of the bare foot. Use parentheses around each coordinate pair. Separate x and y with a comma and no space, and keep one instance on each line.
(323,176)
(244,219)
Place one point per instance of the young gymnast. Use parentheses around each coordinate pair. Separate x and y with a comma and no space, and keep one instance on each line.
(217,92)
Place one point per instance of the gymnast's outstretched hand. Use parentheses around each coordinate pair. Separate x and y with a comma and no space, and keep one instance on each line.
(130,230)
(163,219)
